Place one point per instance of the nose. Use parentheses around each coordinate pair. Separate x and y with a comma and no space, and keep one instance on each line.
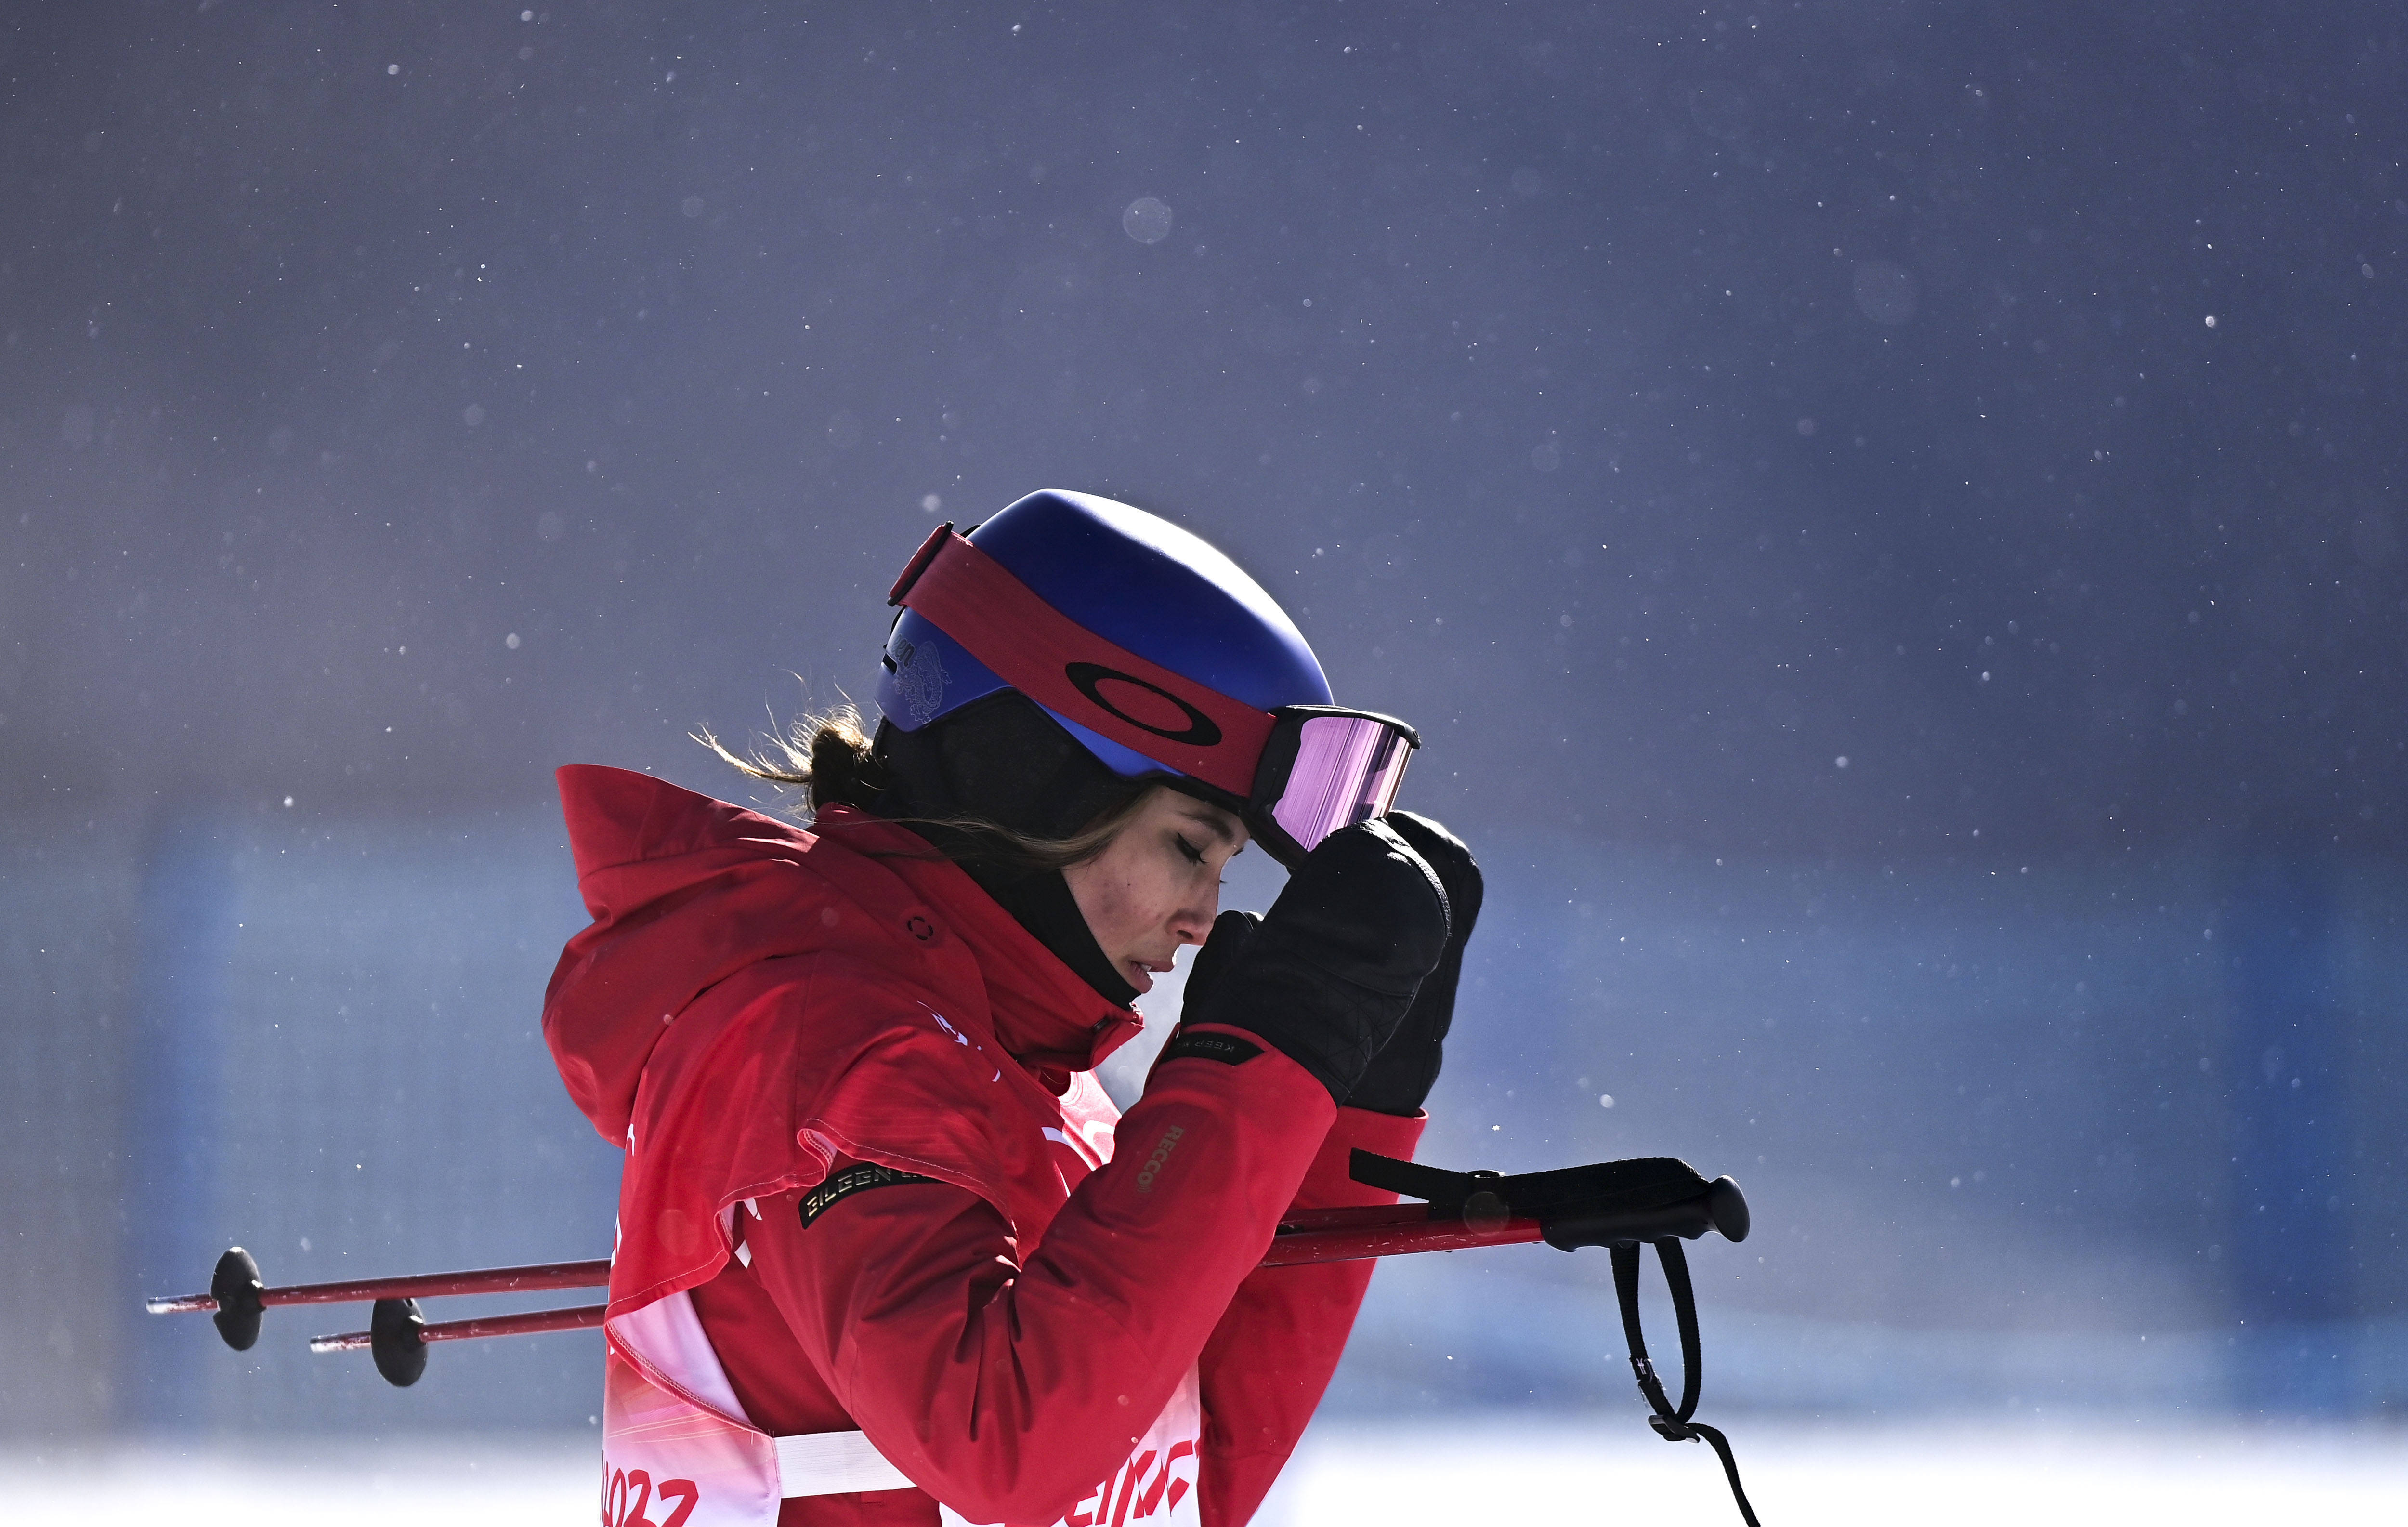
(1193,922)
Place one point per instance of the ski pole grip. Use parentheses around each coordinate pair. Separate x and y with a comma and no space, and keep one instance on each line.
(1611,1203)
(1728,1206)
(1720,1207)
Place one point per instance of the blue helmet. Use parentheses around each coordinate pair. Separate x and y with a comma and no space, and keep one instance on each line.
(1137,581)
(1152,655)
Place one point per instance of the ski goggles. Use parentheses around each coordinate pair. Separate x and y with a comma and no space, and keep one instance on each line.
(1324,768)
(1296,774)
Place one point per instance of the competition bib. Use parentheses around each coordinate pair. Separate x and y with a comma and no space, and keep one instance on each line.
(678,1452)
(1155,1485)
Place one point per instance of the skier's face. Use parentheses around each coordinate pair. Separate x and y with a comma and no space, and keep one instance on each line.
(1158,885)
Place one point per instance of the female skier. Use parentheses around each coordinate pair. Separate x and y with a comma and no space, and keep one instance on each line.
(886,1252)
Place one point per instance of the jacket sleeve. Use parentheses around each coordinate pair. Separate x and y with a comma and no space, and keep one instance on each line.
(1271,1356)
(1006,1386)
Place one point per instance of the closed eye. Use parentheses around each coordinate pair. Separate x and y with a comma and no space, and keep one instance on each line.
(1193,854)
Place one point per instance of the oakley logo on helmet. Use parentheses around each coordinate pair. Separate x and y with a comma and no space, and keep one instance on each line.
(1090,678)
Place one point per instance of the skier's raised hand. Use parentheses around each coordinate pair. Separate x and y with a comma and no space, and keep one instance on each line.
(1329,972)
(1399,1078)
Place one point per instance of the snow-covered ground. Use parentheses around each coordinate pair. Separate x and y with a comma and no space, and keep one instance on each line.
(1510,1471)
(1507,1469)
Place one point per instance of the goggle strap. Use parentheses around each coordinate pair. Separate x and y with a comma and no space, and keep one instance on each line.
(1070,670)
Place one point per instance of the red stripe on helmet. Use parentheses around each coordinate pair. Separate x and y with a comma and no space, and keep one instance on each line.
(1072,672)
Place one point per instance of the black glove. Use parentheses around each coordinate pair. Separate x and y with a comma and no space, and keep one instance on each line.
(1400,1077)
(1327,974)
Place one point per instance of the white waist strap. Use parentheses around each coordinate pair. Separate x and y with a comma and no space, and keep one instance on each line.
(834,1464)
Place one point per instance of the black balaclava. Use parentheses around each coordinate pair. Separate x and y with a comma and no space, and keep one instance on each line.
(1002,759)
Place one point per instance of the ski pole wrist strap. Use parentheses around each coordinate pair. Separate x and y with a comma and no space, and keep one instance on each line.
(1670,1424)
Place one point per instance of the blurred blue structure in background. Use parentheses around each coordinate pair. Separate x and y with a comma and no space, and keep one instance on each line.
(2008,1129)
(332,1060)
(2291,1126)
(176,1096)
(2020,1138)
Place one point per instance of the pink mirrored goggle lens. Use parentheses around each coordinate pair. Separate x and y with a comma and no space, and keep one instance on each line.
(1347,770)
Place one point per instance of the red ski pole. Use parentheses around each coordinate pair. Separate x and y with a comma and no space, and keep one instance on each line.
(397,1336)
(1599,1205)
(562,1274)
(237,1296)
(1391,1230)
(532,1323)
(1320,1235)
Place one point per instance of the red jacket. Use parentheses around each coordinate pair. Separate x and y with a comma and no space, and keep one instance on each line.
(755,1005)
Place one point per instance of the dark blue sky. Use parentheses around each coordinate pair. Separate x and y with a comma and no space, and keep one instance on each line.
(1654,403)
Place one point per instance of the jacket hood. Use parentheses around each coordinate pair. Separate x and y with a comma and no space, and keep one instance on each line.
(686,891)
